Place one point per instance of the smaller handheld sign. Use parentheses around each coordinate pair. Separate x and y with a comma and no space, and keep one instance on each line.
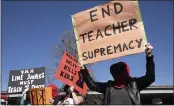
(40,96)
(20,80)
(69,73)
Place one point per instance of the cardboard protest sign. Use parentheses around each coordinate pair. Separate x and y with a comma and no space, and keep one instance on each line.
(109,31)
(40,96)
(19,80)
(69,73)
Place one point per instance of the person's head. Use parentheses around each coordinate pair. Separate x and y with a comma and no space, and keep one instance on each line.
(119,71)
(4,98)
(54,90)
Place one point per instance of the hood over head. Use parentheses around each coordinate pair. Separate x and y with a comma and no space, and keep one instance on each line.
(120,72)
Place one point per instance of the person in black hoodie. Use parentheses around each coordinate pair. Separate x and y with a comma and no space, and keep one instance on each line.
(124,90)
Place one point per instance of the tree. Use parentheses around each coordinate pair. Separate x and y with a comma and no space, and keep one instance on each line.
(68,43)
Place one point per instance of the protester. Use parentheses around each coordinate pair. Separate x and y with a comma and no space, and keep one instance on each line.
(72,96)
(55,95)
(124,89)
(25,100)
(4,100)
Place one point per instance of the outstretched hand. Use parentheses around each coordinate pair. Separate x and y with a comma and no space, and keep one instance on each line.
(148,49)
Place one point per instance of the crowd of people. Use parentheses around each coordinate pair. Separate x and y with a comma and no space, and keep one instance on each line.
(123,90)
(72,96)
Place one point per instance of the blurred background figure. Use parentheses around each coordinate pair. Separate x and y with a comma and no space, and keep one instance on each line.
(55,95)
(4,100)
(72,96)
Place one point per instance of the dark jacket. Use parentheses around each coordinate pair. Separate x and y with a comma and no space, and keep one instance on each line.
(56,99)
(133,87)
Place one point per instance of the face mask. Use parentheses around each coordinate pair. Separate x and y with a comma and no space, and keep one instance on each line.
(120,72)
(118,68)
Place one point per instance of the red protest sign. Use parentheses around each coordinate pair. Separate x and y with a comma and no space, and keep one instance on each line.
(69,73)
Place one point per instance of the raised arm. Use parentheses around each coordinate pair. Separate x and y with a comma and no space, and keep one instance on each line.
(145,81)
(92,85)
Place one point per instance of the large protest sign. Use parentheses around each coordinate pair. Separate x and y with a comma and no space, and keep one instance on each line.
(109,31)
(19,80)
(69,73)
(40,96)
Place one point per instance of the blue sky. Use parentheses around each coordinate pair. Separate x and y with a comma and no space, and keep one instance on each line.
(31,28)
